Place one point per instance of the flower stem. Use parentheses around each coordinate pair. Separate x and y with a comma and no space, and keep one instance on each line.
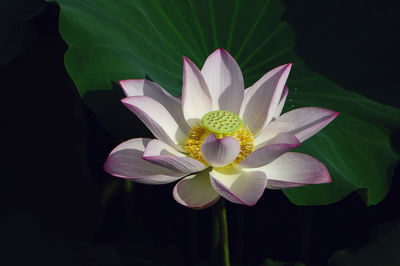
(223,230)
(215,232)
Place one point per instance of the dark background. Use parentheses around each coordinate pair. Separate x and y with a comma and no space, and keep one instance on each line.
(58,207)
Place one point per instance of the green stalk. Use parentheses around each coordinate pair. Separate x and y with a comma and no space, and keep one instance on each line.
(223,229)
(215,232)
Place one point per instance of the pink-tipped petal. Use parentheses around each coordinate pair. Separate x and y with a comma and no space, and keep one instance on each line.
(195,191)
(238,186)
(220,152)
(297,168)
(281,103)
(157,119)
(159,153)
(125,161)
(261,100)
(144,87)
(196,98)
(225,81)
(302,122)
(277,146)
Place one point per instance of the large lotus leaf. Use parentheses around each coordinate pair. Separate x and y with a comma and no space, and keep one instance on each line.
(355,148)
(122,39)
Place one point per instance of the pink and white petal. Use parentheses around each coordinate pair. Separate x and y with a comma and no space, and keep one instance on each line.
(275,184)
(302,122)
(159,153)
(281,103)
(235,185)
(277,146)
(225,81)
(144,87)
(220,152)
(261,100)
(157,119)
(196,191)
(125,161)
(196,98)
(297,168)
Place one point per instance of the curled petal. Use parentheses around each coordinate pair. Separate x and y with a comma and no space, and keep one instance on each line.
(277,146)
(157,119)
(225,81)
(281,103)
(195,191)
(302,122)
(298,168)
(162,154)
(126,161)
(144,87)
(262,99)
(196,98)
(220,152)
(239,186)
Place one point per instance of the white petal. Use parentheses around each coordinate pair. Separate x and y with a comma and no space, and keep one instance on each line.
(277,146)
(164,155)
(220,152)
(196,98)
(195,191)
(157,119)
(282,101)
(238,186)
(126,161)
(225,81)
(144,87)
(302,122)
(297,168)
(261,100)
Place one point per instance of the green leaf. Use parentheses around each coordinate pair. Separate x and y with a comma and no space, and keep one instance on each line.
(382,249)
(113,40)
(355,148)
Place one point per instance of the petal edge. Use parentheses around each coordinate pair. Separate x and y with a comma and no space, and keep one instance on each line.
(219,152)
(195,191)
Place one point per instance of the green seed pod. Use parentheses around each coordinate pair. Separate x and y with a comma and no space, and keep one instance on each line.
(221,122)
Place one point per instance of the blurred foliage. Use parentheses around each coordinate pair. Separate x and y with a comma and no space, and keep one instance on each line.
(269,262)
(15,28)
(382,249)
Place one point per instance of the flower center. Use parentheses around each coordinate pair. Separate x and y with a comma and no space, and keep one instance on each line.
(222,124)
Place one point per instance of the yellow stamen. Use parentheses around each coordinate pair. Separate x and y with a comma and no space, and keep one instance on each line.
(211,124)
(193,143)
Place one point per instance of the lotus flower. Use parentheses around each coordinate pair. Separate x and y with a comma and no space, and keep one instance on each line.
(219,139)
